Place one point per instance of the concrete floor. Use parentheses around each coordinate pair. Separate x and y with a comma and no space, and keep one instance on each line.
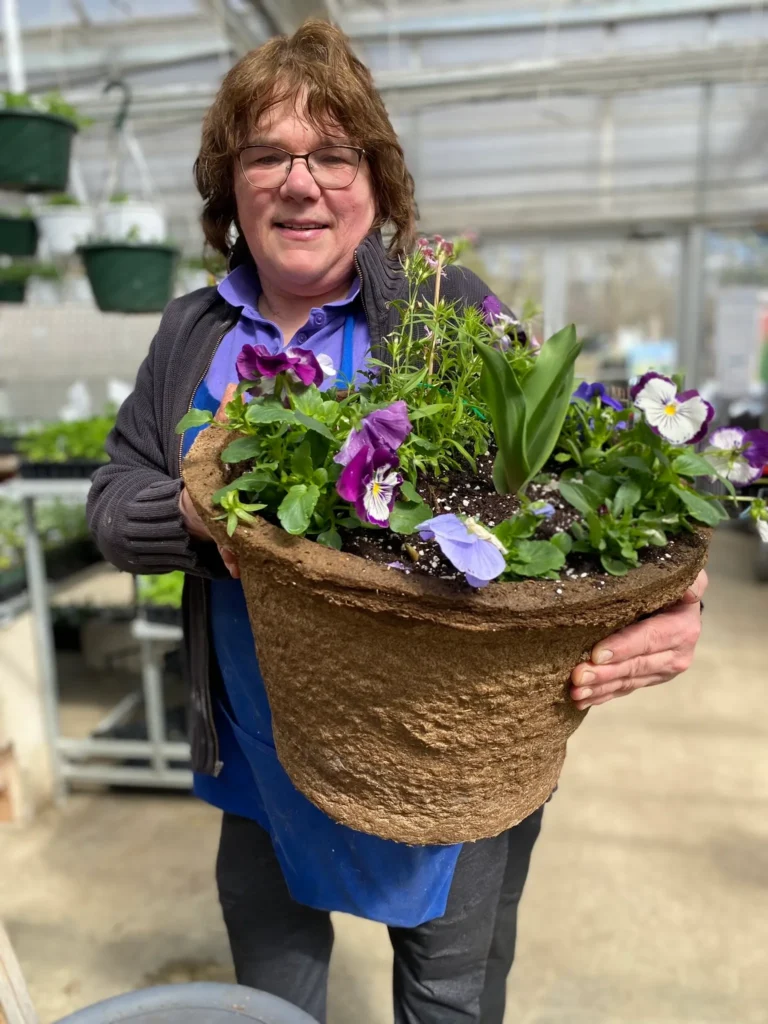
(647,901)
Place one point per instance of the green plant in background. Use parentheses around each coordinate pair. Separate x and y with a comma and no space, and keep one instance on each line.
(58,522)
(162,590)
(50,103)
(20,271)
(120,197)
(67,442)
(62,199)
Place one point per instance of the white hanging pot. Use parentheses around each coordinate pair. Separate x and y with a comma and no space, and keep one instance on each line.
(63,228)
(133,221)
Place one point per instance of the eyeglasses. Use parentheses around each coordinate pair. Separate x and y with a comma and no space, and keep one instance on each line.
(330,166)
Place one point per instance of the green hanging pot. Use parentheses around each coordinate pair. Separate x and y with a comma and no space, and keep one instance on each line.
(12,291)
(129,277)
(34,151)
(18,235)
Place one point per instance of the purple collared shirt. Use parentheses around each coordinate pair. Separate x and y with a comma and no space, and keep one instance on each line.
(323,333)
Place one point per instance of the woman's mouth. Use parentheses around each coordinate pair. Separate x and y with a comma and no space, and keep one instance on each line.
(302,230)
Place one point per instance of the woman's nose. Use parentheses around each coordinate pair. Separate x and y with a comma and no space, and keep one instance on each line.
(300,184)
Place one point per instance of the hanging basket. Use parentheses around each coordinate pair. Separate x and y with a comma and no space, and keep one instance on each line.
(18,235)
(404,708)
(13,291)
(34,151)
(130,278)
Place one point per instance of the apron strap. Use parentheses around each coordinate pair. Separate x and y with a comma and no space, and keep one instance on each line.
(347,373)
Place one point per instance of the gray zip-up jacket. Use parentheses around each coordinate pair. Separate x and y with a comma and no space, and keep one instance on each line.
(133,506)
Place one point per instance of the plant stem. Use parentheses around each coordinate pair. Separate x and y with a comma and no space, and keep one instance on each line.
(430,365)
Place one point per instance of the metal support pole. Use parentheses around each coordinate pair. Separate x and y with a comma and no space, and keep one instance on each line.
(46,655)
(14,54)
(555,300)
(154,711)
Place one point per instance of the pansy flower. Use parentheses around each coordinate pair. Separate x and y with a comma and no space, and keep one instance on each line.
(738,455)
(678,418)
(382,428)
(589,392)
(370,481)
(503,325)
(301,366)
(468,546)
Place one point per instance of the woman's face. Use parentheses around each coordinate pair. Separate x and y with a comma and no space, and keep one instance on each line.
(299,262)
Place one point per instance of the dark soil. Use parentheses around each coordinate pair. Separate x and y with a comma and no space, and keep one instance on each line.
(475,495)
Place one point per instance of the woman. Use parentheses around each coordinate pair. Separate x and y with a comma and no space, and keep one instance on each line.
(299,155)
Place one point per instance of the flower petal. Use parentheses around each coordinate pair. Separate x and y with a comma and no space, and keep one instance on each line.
(727,438)
(757,450)
(646,379)
(490,308)
(351,484)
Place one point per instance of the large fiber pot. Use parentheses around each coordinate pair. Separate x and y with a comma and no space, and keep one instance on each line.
(403,708)
(18,236)
(34,151)
(199,1002)
(130,277)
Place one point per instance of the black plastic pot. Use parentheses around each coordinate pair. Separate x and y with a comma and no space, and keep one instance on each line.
(77,469)
(18,236)
(34,151)
(12,291)
(71,557)
(12,582)
(164,614)
(8,444)
(130,277)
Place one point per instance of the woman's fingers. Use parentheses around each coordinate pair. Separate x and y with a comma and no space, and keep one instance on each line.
(229,558)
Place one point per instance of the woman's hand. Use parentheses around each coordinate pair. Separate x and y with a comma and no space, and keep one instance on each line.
(193,523)
(644,654)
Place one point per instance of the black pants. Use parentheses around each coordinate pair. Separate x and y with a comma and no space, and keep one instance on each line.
(449,970)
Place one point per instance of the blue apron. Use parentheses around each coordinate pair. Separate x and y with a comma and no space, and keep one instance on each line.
(325,865)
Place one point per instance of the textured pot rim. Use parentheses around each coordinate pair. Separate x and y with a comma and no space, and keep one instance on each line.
(529,603)
(40,115)
(129,246)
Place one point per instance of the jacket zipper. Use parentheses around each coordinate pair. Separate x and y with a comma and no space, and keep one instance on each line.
(217,764)
(362,294)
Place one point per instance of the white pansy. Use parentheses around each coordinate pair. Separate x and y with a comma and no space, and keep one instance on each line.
(677,418)
(378,493)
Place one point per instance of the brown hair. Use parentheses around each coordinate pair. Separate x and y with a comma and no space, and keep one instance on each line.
(317,65)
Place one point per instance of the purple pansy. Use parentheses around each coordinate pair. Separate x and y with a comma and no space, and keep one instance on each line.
(468,546)
(679,418)
(739,455)
(256,362)
(588,392)
(382,428)
(545,509)
(370,482)
(491,309)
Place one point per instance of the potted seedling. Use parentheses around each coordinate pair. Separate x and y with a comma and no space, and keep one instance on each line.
(18,234)
(15,276)
(35,142)
(124,218)
(65,450)
(471,523)
(160,597)
(64,224)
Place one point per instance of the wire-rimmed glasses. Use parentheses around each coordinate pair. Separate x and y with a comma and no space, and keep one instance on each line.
(330,166)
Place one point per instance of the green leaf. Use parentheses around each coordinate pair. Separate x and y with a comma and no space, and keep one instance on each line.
(636,463)
(296,508)
(409,492)
(242,448)
(602,486)
(627,496)
(310,403)
(330,538)
(614,566)
(250,482)
(269,411)
(506,404)
(427,410)
(320,477)
(562,457)
(563,541)
(312,424)
(194,418)
(579,496)
(690,464)
(407,515)
(705,511)
(536,557)
(517,527)
(301,461)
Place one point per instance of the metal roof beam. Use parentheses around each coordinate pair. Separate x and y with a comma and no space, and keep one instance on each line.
(445,21)
(285,16)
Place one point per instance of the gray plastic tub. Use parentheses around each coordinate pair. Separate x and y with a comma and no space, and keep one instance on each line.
(200,1002)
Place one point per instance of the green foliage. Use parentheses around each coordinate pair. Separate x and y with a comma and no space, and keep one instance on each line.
(58,522)
(50,103)
(65,442)
(22,270)
(62,199)
(163,590)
